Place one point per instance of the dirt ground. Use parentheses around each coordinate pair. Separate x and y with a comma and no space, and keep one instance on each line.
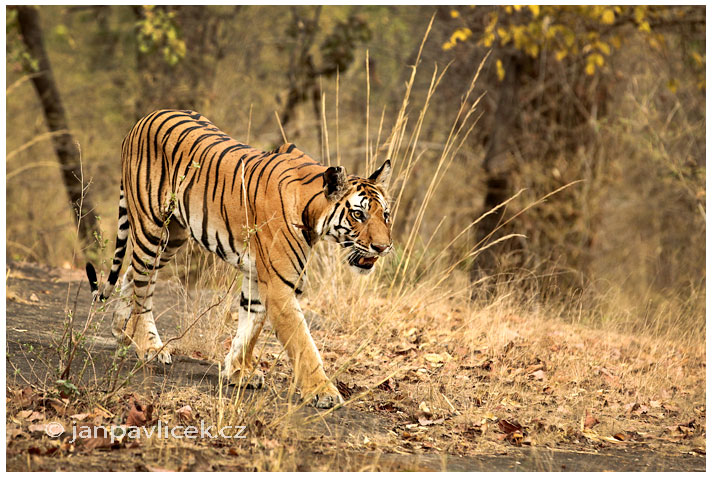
(366,434)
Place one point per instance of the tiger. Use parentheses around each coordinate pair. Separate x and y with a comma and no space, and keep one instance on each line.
(259,211)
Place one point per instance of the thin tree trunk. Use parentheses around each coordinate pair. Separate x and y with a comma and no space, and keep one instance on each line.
(66,148)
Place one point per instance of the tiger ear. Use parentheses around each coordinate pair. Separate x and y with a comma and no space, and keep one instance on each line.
(336,184)
(382,175)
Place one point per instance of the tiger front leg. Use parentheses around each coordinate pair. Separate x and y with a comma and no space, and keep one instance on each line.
(291,328)
(239,364)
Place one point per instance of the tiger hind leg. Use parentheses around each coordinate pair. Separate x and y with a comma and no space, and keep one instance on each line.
(135,324)
(122,313)
(239,364)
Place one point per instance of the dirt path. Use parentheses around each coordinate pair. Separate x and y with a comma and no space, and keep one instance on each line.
(36,303)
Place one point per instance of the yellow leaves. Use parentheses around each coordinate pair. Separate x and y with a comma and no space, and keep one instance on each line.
(672,85)
(500,70)
(698,59)
(603,48)
(608,17)
(489,36)
(503,35)
(592,61)
(461,35)
(582,31)
(518,35)
(488,39)
(532,49)
(639,13)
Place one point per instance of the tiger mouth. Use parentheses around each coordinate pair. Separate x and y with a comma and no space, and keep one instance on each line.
(362,262)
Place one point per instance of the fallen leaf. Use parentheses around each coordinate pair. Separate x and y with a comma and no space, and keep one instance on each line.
(423,407)
(25,397)
(509,427)
(34,298)
(33,450)
(347,390)
(185,413)
(590,421)
(435,359)
(24,414)
(39,427)
(404,349)
(138,415)
(388,385)
(59,406)
(425,421)
(484,363)
(535,368)
(35,416)
(386,407)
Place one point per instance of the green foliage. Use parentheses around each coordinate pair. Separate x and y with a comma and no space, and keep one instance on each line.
(66,388)
(158,31)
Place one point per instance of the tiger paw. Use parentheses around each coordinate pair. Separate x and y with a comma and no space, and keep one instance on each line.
(327,397)
(252,379)
(163,356)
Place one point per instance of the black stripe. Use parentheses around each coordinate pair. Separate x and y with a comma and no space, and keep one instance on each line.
(245,301)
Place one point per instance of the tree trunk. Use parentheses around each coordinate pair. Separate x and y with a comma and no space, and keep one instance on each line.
(496,165)
(66,148)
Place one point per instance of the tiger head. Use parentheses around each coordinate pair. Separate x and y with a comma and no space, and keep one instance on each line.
(361,217)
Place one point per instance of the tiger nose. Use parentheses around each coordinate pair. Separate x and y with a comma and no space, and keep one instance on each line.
(379,248)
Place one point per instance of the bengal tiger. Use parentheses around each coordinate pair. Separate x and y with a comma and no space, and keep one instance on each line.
(259,211)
